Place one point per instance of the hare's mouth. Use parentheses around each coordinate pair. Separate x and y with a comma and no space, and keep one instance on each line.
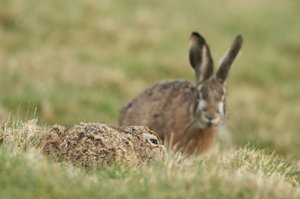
(204,123)
(211,124)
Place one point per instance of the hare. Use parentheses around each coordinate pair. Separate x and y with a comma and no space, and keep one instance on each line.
(93,145)
(183,113)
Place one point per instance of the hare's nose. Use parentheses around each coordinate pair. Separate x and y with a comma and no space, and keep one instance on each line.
(210,117)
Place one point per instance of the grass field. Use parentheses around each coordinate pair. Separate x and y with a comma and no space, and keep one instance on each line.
(70,61)
(242,173)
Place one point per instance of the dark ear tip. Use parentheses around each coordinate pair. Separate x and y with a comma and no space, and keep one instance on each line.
(196,36)
(239,38)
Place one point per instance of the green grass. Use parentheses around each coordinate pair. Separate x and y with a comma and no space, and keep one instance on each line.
(243,173)
(70,61)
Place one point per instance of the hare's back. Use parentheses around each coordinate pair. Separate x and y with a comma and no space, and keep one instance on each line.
(159,106)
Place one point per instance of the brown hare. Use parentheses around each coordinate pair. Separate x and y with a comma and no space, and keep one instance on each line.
(183,113)
(94,145)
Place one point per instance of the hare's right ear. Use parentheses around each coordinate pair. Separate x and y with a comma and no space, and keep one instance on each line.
(228,59)
(200,57)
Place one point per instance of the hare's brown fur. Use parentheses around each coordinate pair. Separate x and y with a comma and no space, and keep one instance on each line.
(183,113)
(93,144)
(183,131)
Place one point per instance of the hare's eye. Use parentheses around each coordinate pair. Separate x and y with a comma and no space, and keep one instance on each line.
(153,141)
(202,105)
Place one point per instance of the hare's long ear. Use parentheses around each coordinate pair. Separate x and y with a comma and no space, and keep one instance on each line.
(200,57)
(228,58)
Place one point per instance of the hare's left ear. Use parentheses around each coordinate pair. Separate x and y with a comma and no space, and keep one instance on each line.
(228,59)
(200,58)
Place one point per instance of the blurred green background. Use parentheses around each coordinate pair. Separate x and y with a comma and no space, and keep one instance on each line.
(81,60)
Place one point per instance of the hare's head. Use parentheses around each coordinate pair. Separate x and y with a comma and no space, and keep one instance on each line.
(209,108)
(148,141)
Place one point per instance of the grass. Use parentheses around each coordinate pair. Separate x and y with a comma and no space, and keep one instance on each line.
(70,61)
(243,173)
